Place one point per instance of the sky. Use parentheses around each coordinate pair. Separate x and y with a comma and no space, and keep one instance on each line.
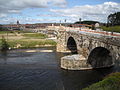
(56,11)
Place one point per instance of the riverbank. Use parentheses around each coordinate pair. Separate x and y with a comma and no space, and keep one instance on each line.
(110,82)
(24,40)
(111,29)
(30,43)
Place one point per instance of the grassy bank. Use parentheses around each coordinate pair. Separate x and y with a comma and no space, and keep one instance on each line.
(25,43)
(111,29)
(35,35)
(110,82)
(17,39)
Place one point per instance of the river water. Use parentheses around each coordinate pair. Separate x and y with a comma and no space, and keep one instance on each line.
(39,69)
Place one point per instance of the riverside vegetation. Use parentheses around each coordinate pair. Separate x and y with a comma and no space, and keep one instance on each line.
(111,29)
(20,39)
(4,45)
(110,82)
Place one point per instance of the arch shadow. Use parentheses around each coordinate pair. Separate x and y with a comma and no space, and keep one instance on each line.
(100,57)
(72,46)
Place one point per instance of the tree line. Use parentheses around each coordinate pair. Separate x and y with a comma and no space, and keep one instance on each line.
(112,20)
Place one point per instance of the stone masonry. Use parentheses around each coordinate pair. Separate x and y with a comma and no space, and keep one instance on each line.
(99,50)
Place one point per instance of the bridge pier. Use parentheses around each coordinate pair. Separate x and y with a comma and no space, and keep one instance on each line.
(79,62)
(75,62)
(61,41)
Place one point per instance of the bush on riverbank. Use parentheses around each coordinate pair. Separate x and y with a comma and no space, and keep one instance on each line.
(111,29)
(4,44)
(111,82)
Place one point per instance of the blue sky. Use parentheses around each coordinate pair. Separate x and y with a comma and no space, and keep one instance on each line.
(54,11)
(89,2)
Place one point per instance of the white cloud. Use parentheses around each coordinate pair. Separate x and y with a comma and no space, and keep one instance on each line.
(27,20)
(15,6)
(2,15)
(89,12)
(86,12)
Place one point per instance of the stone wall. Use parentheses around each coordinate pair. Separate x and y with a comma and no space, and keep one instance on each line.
(61,42)
(87,43)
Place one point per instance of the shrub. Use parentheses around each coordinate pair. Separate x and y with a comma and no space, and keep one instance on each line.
(4,44)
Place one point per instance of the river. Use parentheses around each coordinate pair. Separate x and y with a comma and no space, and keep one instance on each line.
(39,69)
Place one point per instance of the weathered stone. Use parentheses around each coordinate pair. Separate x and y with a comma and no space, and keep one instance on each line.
(88,42)
(74,62)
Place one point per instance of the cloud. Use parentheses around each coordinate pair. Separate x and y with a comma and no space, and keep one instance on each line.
(15,6)
(27,20)
(89,12)
(86,12)
(2,15)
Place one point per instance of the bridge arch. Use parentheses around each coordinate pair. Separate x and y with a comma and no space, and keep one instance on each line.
(71,45)
(100,57)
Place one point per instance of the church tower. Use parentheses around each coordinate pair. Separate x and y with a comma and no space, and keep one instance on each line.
(18,22)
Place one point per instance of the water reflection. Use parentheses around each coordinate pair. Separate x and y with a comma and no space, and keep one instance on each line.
(4,56)
(21,70)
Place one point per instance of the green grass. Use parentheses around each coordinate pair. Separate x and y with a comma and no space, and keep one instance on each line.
(111,29)
(30,43)
(23,31)
(29,40)
(110,82)
(35,35)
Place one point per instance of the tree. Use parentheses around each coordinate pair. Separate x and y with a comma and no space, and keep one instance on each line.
(87,22)
(114,19)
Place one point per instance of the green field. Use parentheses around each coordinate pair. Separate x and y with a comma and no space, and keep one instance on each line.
(111,29)
(17,39)
(35,35)
(26,43)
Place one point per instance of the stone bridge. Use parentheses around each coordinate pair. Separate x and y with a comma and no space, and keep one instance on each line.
(94,49)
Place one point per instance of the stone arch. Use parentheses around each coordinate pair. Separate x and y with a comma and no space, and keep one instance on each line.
(71,45)
(100,57)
